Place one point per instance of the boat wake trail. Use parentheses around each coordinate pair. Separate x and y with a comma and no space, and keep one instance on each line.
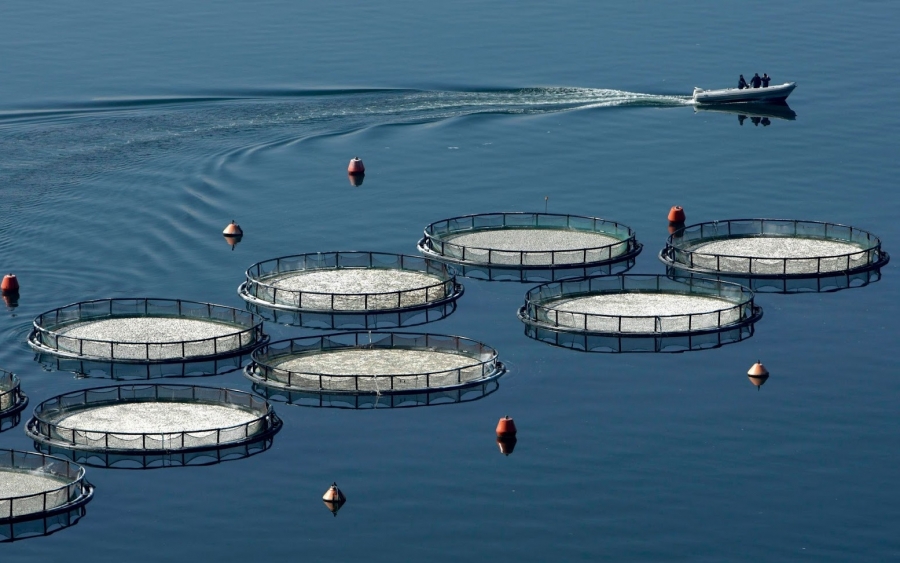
(67,144)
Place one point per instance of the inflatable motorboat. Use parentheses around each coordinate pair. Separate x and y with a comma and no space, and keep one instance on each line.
(769,95)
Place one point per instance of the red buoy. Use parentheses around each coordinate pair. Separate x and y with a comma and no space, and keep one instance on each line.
(356,166)
(10,284)
(506,427)
(676,215)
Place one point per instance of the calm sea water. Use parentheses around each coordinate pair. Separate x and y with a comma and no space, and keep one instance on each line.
(130,135)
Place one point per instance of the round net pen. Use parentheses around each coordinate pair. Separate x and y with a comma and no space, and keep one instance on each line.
(12,400)
(357,401)
(378,363)
(39,494)
(361,283)
(773,248)
(152,419)
(146,331)
(484,244)
(639,305)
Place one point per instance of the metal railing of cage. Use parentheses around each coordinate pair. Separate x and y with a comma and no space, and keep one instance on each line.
(12,399)
(256,288)
(44,338)
(870,255)
(483,369)
(626,248)
(742,311)
(77,491)
(42,428)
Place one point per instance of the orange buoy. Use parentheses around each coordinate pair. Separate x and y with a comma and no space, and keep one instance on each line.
(356,180)
(676,215)
(758,374)
(10,284)
(233,230)
(334,498)
(507,444)
(356,166)
(506,427)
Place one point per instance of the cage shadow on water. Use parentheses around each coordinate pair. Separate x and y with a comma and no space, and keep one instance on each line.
(618,344)
(311,399)
(140,371)
(352,321)
(826,283)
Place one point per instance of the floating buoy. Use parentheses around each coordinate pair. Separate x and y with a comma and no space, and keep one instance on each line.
(758,370)
(676,215)
(506,427)
(507,444)
(758,374)
(334,498)
(233,234)
(356,166)
(356,180)
(10,284)
(233,230)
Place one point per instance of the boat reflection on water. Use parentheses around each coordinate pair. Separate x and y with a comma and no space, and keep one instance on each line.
(759,114)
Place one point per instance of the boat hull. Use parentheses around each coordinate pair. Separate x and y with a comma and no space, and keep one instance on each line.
(771,95)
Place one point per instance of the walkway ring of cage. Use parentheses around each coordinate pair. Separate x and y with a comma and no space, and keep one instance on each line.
(773,248)
(12,399)
(34,485)
(639,305)
(156,418)
(300,283)
(529,240)
(146,330)
(369,362)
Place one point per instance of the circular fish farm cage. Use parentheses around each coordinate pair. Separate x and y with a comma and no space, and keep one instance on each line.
(529,241)
(152,419)
(639,305)
(12,400)
(350,283)
(146,331)
(360,401)
(773,248)
(378,363)
(39,493)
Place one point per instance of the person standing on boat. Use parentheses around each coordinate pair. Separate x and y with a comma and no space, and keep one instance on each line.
(742,83)
(765,80)
(756,80)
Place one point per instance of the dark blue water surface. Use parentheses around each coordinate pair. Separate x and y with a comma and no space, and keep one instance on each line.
(130,135)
